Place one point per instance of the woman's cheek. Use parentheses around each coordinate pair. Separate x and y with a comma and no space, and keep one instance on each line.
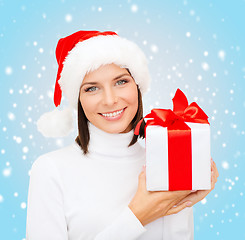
(88,103)
(133,95)
(130,93)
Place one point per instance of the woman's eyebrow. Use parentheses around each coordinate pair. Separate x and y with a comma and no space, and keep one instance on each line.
(127,74)
(119,76)
(89,83)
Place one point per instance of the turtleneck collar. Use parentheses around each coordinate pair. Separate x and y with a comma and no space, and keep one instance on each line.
(112,144)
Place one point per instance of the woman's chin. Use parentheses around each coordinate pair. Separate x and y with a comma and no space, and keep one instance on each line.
(115,128)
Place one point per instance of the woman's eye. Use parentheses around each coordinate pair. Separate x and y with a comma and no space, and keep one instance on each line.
(120,82)
(90,89)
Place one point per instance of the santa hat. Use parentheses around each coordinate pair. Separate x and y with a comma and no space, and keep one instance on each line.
(83,52)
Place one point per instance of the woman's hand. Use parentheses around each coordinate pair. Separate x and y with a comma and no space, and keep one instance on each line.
(198,195)
(148,206)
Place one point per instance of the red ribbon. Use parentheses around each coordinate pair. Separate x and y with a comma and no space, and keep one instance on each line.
(179,142)
(182,112)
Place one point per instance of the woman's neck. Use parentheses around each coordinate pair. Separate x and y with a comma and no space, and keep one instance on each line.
(111,144)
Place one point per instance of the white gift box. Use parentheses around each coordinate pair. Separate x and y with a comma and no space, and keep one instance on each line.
(157,160)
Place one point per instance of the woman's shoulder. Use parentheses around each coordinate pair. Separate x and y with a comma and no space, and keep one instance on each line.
(61,156)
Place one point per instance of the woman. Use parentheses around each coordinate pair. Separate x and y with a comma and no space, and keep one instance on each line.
(96,187)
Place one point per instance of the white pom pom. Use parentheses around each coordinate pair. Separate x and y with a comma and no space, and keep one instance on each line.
(56,123)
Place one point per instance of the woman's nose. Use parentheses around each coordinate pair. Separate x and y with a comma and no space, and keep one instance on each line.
(109,97)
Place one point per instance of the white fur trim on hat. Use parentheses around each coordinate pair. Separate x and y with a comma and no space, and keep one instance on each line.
(57,123)
(94,52)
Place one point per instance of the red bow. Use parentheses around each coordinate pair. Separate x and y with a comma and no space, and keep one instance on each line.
(182,112)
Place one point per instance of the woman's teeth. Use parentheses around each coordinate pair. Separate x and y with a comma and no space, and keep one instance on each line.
(112,114)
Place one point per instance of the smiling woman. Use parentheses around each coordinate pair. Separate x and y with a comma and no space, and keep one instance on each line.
(95,188)
(110,106)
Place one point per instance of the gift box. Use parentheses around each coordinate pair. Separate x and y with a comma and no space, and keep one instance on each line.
(177,145)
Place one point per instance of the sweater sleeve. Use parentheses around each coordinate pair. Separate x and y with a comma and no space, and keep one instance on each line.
(45,211)
(179,226)
(125,227)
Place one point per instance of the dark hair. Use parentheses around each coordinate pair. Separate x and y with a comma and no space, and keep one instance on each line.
(83,133)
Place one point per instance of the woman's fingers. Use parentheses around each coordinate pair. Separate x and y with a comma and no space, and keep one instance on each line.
(178,208)
(216,170)
(214,177)
(214,167)
(214,173)
(195,197)
(212,180)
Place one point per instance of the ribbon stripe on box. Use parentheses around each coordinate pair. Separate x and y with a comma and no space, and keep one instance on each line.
(177,147)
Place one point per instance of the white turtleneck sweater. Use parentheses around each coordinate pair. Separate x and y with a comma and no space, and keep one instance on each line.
(75,196)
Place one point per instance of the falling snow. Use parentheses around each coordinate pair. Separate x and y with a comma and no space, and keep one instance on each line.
(134,8)
(192,12)
(23,205)
(154,48)
(205,53)
(7,172)
(8,70)
(68,18)
(25,149)
(221,55)
(11,116)
(225,165)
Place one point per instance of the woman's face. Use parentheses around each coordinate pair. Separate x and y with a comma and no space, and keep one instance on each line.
(109,98)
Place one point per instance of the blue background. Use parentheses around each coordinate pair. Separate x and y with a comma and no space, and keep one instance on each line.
(197,46)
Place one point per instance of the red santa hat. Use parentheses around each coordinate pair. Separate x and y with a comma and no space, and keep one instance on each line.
(83,52)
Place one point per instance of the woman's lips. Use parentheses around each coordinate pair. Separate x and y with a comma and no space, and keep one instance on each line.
(114,118)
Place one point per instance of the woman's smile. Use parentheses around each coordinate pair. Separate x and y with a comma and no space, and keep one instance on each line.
(112,116)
